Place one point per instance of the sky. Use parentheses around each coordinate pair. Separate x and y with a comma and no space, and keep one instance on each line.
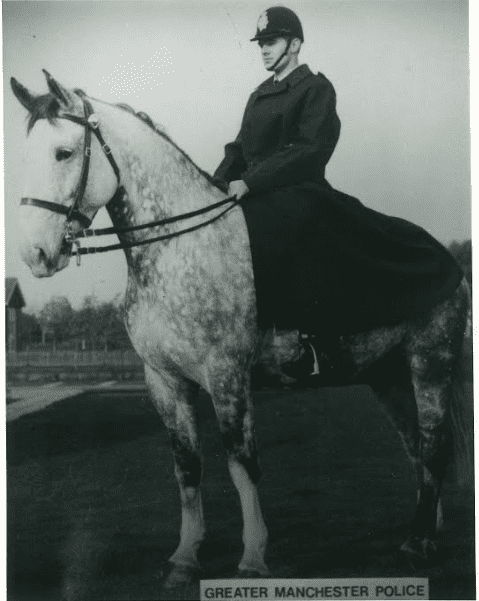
(400,70)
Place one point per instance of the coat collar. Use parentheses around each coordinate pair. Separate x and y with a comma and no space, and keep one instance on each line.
(269,87)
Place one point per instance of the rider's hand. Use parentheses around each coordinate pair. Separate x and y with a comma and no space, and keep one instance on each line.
(238,188)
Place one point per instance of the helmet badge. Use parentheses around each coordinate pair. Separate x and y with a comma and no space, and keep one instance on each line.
(263,20)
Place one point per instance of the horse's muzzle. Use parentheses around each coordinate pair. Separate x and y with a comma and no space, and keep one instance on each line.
(40,263)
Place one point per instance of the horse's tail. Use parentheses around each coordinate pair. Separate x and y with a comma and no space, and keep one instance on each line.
(462,415)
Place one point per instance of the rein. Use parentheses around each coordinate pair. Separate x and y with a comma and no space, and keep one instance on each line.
(87,233)
(90,123)
(87,250)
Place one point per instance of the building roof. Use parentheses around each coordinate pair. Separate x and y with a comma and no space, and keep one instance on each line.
(13,294)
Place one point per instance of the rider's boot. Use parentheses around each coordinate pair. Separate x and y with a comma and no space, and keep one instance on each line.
(306,370)
(318,363)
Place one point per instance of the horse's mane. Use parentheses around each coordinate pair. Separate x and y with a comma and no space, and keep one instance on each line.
(47,107)
(143,116)
(160,130)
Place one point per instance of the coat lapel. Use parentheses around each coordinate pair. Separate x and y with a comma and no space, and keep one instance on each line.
(269,87)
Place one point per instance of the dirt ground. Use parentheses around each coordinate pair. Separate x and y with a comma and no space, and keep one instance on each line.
(93,502)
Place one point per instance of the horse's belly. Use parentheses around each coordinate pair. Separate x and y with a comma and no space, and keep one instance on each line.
(341,360)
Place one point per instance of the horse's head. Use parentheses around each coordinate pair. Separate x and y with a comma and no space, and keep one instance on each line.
(58,196)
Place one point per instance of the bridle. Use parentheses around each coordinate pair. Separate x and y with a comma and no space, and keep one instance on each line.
(91,124)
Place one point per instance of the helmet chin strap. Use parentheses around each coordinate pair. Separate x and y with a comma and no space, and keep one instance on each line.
(285,52)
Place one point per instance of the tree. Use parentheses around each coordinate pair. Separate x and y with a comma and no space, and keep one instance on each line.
(100,325)
(29,330)
(462,252)
(112,331)
(55,319)
(94,326)
(86,322)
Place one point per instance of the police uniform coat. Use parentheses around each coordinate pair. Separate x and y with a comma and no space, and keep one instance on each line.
(322,261)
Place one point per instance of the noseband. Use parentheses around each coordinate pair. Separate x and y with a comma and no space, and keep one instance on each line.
(90,123)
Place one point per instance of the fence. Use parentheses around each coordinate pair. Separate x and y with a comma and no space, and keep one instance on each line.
(125,358)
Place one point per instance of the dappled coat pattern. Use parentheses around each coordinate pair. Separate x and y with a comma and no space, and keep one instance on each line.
(190,311)
(322,260)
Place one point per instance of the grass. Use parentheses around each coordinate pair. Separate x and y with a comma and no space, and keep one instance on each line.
(93,501)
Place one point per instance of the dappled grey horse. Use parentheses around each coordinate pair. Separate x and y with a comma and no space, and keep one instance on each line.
(190,307)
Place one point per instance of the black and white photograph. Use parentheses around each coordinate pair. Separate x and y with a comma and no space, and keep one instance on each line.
(238,300)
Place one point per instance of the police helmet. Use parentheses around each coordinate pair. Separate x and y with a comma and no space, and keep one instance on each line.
(278,21)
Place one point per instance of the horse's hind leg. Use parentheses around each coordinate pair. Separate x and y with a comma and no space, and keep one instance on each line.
(432,352)
(233,406)
(175,397)
(435,452)
(390,379)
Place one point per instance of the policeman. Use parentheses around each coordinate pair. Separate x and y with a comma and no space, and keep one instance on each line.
(323,262)
(290,126)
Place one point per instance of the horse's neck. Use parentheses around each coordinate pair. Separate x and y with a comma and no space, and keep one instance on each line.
(159,180)
(179,279)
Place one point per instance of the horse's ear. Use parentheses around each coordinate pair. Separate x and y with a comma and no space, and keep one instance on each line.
(65,97)
(25,97)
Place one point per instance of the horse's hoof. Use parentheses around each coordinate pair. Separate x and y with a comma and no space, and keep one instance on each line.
(178,577)
(420,551)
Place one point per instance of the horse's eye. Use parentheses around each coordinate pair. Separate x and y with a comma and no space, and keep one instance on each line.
(62,154)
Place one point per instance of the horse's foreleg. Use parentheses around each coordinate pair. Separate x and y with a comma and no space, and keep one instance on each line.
(175,399)
(234,409)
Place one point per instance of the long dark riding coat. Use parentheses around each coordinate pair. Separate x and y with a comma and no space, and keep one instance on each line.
(323,262)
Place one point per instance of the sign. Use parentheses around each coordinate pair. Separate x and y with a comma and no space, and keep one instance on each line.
(279,589)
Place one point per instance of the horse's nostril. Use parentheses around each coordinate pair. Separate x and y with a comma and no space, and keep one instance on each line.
(42,255)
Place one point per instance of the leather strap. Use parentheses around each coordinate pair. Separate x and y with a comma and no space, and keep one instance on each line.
(90,123)
(87,233)
(90,250)
(73,214)
(285,52)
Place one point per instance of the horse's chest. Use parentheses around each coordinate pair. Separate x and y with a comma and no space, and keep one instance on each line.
(168,332)
(156,336)
(191,305)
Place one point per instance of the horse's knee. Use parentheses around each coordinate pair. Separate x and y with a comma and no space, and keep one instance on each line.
(188,468)
(436,448)
(243,449)
(250,463)
(235,419)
